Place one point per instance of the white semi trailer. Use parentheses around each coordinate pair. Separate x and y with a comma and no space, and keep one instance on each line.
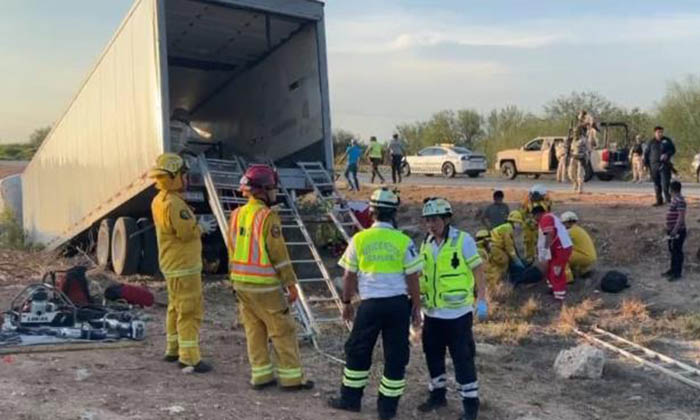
(252,73)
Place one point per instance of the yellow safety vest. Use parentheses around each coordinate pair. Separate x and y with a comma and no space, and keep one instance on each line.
(381,250)
(447,282)
(248,258)
(375,150)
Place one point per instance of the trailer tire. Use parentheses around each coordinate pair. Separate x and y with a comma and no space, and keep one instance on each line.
(103,249)
(126,249)
(148,264)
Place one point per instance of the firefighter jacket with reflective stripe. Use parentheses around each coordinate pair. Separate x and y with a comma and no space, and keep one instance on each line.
(257,252)
(381,250)
(502,238)
(528,205)
(179,237)
(448,281)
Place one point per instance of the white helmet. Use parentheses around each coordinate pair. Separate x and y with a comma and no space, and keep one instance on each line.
(569,216)
(384,198)
(436,206)
(539,189)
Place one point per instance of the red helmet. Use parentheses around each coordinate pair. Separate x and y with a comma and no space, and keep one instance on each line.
(259,177)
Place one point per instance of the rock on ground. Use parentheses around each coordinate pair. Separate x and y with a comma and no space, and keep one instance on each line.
(583,362)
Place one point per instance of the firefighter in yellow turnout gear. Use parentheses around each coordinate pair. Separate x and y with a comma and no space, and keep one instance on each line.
(584,255)
(180,259)
(537,196)
(260,268)
(503,253)
(483,246)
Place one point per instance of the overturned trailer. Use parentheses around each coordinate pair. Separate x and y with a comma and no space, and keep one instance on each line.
(250,75)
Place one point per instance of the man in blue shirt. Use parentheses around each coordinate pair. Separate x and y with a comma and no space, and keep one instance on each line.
(353,153)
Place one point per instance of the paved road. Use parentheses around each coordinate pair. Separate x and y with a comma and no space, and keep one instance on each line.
(522,182)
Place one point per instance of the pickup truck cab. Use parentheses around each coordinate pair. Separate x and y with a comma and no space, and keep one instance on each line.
(538,156)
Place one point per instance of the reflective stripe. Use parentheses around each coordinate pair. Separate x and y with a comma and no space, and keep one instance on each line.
(392,387)
(182,272)
(262,371)
(438,382)
(244,288)
(470,386)
(289,373)
(470,394)
(282,264)
(248,258)
(188,344)
(171,338)
(356,374)
(253,270)
(355,378)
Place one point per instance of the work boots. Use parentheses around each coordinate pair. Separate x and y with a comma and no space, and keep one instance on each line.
(201,367)
(435,400)
(386,407)
(350,399)
(471,408)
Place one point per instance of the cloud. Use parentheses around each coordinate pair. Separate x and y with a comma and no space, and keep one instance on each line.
(379,34)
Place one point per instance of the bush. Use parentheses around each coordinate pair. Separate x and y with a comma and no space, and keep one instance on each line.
(11,233)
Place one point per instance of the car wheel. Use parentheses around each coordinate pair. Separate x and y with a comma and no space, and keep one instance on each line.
(605,177)
(104,243)
(448,170)
(126,247)
(473,174)
(405,169)
(508,170)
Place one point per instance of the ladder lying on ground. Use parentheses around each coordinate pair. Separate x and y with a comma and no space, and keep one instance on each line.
(336,207)
(654,360)
(318,301)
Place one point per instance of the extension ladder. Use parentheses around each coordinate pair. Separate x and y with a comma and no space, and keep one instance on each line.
(318,301)
(336,207)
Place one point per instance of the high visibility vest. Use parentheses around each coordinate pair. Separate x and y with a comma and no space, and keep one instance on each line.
(448,281)
(381,250)
(375,150)
(248,258)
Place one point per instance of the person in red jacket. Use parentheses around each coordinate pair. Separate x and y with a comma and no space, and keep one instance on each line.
(554,248)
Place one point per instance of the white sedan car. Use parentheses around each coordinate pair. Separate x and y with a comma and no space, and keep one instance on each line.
(446,159)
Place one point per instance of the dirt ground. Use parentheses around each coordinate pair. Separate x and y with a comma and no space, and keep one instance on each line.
(516,349)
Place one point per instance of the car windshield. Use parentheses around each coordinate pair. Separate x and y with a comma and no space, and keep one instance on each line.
(462,150)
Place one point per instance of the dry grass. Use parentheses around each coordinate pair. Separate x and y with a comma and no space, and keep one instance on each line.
(509,331)
(530,308)
(500,292)
(572,316)
(634,309)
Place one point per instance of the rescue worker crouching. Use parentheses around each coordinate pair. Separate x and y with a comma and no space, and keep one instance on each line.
(452,271)
(483,245)
(504,256)
(382,266)
(180,259)
(584,255)
(537,196)
(260,268)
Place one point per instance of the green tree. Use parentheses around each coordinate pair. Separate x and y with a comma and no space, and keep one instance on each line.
(37,137)
(679,114)
(341,140)
(568,106)
(468,124)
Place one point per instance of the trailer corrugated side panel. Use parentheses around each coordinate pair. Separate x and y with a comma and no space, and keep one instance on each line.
(97,154)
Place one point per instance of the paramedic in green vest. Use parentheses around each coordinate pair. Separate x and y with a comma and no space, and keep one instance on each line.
(382,266)
(375,152)
(452,270)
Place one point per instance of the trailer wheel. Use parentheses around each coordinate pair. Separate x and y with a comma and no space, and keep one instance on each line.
(148,265)
(104,243)
(126,247)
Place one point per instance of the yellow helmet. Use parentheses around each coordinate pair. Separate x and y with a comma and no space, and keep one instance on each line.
(515,217)
(482,234)
(167,164)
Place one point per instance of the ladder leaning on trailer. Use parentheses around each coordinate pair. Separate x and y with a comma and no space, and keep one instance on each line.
(316,292)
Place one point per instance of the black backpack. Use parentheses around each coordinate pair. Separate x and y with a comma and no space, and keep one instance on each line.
(614,282)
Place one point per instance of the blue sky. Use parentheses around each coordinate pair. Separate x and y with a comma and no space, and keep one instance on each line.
(394,61)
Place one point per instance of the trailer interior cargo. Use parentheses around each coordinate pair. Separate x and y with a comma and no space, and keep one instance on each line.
(252,79)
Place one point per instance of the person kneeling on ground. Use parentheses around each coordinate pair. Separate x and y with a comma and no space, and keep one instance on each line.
(455,269)
(554,248)
(584,255)
(483,245)
(503,253)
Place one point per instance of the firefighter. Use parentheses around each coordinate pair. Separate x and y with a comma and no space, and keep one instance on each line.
(537,196)
(382,266)
(583,254)
(483,245)
(454,270)
(504,256)
(180,258)
(260,270)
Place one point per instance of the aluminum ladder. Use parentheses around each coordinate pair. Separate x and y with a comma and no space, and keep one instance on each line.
(335,204)
(221,179)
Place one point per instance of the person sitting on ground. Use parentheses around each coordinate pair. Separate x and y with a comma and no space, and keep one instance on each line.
(496,213)
(584,255)
(503,253)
